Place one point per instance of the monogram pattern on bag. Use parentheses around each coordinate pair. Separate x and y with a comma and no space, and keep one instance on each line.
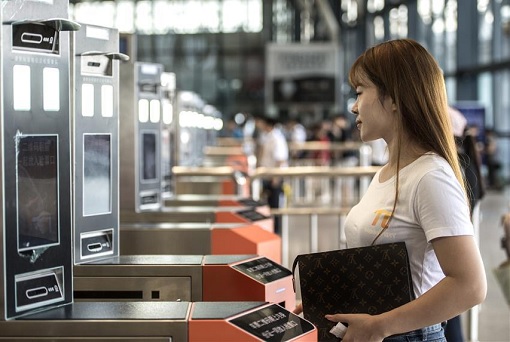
(369,280)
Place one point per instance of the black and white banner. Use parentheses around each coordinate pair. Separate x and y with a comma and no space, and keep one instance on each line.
(302,73)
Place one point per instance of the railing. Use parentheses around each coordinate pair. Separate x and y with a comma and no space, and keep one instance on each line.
(333,176)
(318,182)
(312,146)
(311,189)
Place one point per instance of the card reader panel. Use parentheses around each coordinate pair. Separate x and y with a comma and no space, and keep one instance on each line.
(39,288)
(96,243)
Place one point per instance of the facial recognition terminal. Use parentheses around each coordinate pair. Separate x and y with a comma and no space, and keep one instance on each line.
(140,136)
(95,128)
(36,263)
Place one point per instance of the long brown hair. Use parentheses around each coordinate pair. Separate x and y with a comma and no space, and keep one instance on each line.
(409,74)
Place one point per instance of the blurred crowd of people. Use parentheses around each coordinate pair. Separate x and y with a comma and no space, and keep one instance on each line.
(339,129)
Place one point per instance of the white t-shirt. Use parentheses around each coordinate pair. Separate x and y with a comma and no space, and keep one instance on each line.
(274,149)
(298,134)
(431,204)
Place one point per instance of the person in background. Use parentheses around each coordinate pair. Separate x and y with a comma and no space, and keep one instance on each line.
(320,131)
(469,158)
(273,152)
(340,132)
(401,98)
(296,134)
(379,152)
(492,161)
(233,130)
(470,162)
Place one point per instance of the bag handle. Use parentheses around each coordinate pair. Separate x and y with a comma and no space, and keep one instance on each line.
(294,264)
(378,235)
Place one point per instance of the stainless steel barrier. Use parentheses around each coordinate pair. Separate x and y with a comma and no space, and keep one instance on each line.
(207,180)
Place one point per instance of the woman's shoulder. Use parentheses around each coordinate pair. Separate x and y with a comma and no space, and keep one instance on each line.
(430,162)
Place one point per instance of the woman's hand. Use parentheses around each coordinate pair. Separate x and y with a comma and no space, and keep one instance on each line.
(298,309)
(361,327)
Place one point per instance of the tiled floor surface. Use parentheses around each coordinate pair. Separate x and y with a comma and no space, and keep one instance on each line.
(494,313)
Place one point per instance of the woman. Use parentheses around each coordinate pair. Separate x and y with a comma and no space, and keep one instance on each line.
(401,98)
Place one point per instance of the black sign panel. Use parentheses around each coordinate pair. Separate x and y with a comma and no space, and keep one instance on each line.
(250,202)
(273,323)
(251,215)
(263,270)
(304,90)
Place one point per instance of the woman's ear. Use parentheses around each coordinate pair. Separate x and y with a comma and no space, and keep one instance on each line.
(393,106)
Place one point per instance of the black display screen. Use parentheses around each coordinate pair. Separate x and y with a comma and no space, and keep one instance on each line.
(149,156)
(263,270)
(273,324)
(96,174)
(37,191)
(252,215)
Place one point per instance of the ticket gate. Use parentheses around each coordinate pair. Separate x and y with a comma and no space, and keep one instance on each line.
(234,214)
(161,322)
(105,321)
(212,278)
(211,322)
(245,278)
(198,238)
(140,278)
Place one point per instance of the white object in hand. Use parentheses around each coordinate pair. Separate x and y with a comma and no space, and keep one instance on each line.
(339,330)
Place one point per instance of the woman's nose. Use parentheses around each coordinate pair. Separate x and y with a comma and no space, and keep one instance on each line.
(354,109)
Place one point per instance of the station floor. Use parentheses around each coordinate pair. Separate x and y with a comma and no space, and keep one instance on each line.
(494,313)
(492,322)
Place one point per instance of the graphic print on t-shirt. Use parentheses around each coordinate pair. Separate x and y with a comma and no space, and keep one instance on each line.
(384,216)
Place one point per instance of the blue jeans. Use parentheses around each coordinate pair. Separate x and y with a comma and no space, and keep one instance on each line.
(433,333)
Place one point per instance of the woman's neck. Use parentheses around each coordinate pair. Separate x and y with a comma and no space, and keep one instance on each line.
(409,152)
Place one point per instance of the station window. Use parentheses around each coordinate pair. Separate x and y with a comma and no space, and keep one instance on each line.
(165,16)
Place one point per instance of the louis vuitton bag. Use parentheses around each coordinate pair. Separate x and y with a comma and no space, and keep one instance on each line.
(371,280)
